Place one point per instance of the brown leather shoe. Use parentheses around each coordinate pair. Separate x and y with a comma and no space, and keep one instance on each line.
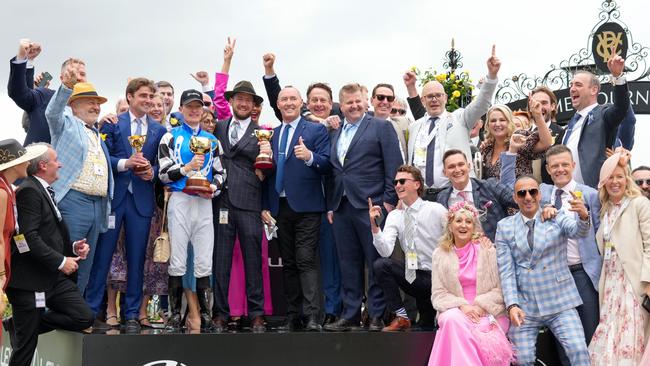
(398,324)
(218,324)
(258,325)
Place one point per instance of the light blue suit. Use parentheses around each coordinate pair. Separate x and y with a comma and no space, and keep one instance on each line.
(539,281)
(85,215)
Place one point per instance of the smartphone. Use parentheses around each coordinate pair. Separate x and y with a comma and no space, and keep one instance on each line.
(47,77)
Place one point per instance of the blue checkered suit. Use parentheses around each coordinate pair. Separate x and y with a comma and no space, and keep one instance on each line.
(69,141)
(540,282)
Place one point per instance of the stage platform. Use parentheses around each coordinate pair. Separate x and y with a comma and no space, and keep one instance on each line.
(153,347)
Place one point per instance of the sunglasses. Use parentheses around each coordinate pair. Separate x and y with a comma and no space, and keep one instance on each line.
(639,182)
(522,192)
(400,111)
(381,97)
(401,181)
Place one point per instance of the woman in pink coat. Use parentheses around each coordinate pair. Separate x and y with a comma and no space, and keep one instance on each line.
(466,292)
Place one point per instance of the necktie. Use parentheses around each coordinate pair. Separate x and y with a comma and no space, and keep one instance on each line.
(50,190)
(279,174)
(234,133)
(570,126)
(558,199)
(463,195)
(531,233)
(430,152)
(345,143)
(409,274)
(138,129)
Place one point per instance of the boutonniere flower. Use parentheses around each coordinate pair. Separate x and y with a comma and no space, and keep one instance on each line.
(484,210)
(103,136)
(174,121)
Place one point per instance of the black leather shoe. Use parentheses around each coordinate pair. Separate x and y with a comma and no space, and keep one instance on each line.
(329,319)
(218,324)
(174,323)
(234,324)
(132,326)
(100,325)
(341,325)
(292,323)
(312,325)
(376,325)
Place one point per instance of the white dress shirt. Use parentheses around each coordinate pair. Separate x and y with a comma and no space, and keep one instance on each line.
(574,140)
(429,224)
(455,197)
(243,126)
(573,249)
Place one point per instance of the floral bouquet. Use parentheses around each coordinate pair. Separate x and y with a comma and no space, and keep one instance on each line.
(457,86)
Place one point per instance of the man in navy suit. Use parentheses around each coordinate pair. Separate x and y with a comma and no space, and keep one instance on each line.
(584,260)
(593,127)
(294,195)
(365,156)
(34,100)
(133,199)
(491,196)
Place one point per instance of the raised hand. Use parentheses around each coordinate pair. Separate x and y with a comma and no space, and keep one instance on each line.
(269,61)
(70,77)
(301,151)
(493,64)
(517,141)
(374,212)
(409,80)
(229,49)
(202,77)
(578,205)
(616,63)
(534,107)
(34,51)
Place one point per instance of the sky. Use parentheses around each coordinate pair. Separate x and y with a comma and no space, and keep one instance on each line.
(335,41)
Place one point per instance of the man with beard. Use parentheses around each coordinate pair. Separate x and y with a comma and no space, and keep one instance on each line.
(641,177)
(133,200)
(548,101)
(240,208)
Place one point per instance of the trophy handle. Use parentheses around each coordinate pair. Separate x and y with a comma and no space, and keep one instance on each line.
(216,145)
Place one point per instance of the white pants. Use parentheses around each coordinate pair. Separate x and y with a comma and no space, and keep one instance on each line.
(190,220)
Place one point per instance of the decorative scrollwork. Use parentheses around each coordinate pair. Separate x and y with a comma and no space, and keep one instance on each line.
(559,76)
(452,60)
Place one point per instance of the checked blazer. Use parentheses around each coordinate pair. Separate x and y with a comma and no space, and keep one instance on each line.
(69,141)
(539,281)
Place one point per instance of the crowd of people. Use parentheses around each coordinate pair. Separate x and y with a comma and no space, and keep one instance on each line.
(389,216)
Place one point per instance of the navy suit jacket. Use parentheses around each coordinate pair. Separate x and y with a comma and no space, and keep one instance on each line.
(599,132)
(32,101)
(370,165)
(493,196)
(119,148)
(302,183)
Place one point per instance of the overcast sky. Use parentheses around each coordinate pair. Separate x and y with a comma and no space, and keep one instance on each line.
(336,41)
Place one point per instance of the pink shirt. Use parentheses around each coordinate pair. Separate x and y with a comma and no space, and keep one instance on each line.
(221,105)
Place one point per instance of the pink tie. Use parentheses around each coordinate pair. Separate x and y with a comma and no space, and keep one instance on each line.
(463,195)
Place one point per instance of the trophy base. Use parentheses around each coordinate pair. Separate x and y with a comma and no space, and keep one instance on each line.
(197,185)
(263,162)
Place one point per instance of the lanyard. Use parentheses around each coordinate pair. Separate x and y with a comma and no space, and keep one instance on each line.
(13,201)
(610,220)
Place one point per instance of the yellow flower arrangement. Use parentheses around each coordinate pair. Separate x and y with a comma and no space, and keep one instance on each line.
(458,86)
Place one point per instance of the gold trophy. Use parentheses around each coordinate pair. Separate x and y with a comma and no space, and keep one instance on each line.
(197,183)
(263,161)
(137,142)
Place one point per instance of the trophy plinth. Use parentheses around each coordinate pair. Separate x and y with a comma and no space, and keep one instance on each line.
(198,183)
(263,161)
(137,142)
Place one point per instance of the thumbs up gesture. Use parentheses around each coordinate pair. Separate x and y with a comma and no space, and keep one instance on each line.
(301,151)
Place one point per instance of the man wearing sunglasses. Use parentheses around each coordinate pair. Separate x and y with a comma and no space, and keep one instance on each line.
(383,100)
(584,260)
(426,220)
(439,130)
(641,177)
(538,288)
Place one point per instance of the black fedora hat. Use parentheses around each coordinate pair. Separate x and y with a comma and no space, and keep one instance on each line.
(244,87)
(13,153)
